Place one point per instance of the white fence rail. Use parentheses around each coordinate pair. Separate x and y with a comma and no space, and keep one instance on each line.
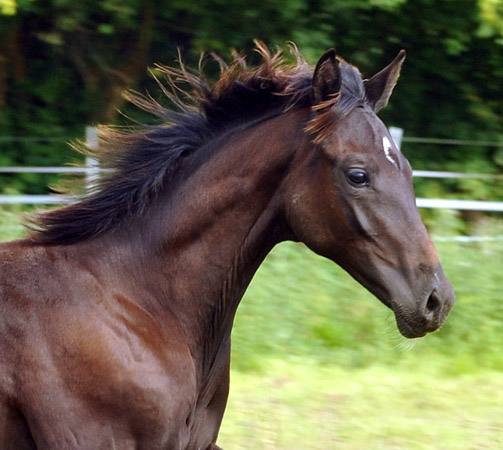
(91,171)
(471,205)
(437,203)
(474,205)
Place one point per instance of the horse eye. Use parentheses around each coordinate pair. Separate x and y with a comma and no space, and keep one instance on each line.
(357,177)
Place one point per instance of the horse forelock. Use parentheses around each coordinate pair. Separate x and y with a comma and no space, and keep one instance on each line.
(143,161)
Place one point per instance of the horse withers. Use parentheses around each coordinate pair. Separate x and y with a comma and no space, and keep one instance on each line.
(116,311)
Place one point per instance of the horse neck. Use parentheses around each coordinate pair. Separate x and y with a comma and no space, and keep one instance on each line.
(209,237)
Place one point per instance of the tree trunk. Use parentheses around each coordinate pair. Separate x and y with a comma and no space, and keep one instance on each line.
(106,83)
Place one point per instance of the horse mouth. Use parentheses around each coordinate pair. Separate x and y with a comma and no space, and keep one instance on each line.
(407,330)
(428,317)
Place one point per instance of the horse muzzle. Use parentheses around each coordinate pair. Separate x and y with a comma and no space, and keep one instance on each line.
(429,314)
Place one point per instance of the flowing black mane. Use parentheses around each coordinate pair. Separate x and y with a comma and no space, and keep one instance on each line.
(143,162)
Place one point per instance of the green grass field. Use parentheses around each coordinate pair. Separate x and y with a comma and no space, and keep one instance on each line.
(298,404)
(318,362)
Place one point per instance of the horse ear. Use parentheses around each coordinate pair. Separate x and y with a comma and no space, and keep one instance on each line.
(380,86)
(326,78)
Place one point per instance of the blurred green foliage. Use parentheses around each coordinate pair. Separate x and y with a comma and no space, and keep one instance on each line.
(64,65)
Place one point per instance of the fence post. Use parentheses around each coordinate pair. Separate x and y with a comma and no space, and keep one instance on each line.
(397,135)
(92,164)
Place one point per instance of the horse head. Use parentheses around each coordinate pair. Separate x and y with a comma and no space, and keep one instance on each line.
(353,199)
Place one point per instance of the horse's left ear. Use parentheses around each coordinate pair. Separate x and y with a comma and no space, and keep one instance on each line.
(380,86)
(326,78)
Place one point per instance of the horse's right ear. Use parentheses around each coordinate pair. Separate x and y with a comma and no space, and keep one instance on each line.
(326,78)
(380,86)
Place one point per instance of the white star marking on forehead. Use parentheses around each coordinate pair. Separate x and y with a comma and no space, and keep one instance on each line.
(387,146)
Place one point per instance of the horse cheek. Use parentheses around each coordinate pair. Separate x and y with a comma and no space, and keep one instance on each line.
(313,222)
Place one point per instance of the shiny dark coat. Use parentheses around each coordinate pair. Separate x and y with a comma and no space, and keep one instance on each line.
(116,312)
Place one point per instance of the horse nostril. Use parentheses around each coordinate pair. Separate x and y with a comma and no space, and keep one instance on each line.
(432,305)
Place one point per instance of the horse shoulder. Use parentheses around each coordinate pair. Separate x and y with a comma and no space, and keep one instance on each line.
(81,345)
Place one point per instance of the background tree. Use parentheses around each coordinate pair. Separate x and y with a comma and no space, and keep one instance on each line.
(65,64)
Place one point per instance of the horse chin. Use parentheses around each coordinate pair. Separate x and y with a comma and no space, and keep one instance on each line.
(407,330)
